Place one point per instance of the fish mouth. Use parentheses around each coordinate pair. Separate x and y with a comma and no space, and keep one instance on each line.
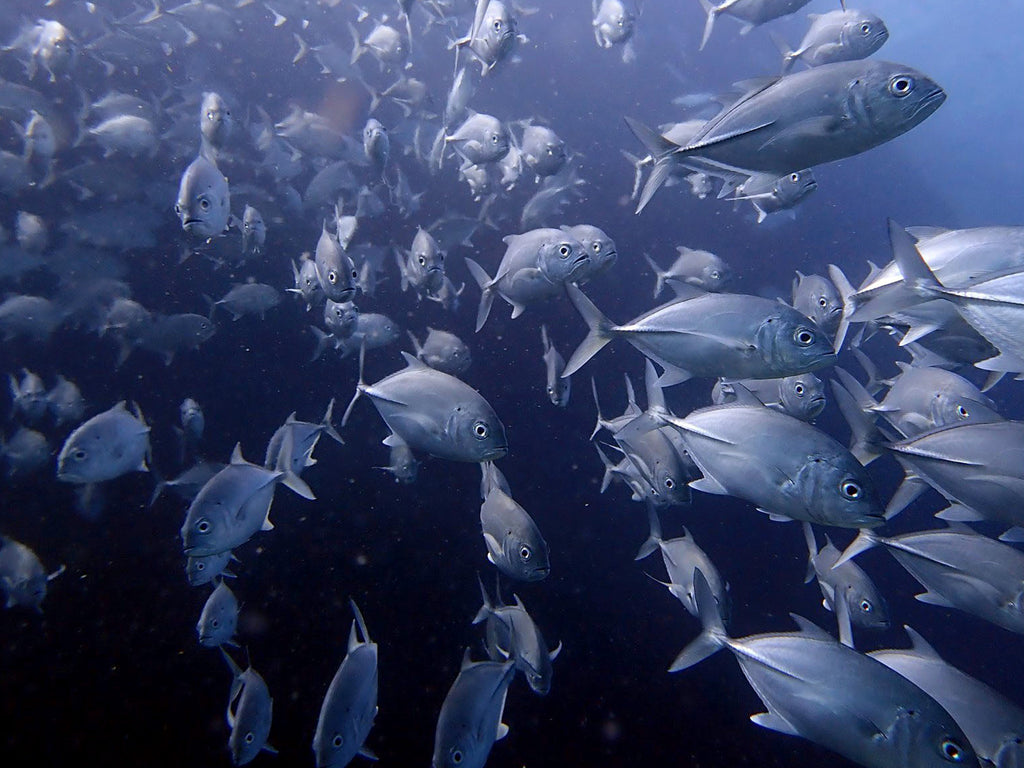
(579,262)
(495,453)
(930,103)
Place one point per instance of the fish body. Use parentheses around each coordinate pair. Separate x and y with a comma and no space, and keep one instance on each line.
(108,445)
(514,542)
(204,201)
(558,389)
(23,579)
(219,618)
(470,718)
(249,713)
(841,35)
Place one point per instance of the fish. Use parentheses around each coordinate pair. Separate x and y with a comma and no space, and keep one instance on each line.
(443,351)
(558,388)
(752,12)
(515,545)
(334,268)
(254,231)
(599,247)
(841,35)
(701,269)
(828,693)
(959,568)
(23,579)
(216,124)
(307,281)
(249,713)
(35,317)
(28,396)
(219,618)
(376,145)
(167,335)
(131,135)
(492,37)
(204,200)
(304,437)
(769,193)
(614,23)
(865,606)
(108,445)
(470,719)
(235,503)
(513,634)
(801,121)
(65,402)
(422,267)
(479,138)
(25,451)
(350,704)
(403,467)
(204,569)
(433,413)
(542,150)
(384,43)
(993,723)
(801,396)
(536,265)
(710,334)
(818,298)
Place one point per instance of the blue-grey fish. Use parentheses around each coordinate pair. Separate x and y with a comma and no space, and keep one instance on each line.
(204,569)
(108,445)
(769,193)
(818,298)
(921,399)
(480,139)
(515,545)
(35,317)
(751,12)
(219,618)
(816,479)
(46,44)
(341,319)
(304,438)
(250,298)
(215,121)
(614,23)
(828,693)
(350,704)
(188,484)
(307,281)
(235,503)
(493,35)
(558,388)
(801,120)
(470,718)
(204,201)
(422,267)
(28,396)
(334,268)
(513,634)
(599,247)
(166,335)
(65,402)
(701,269)
(25,451)
(841,35)
(23,579)
(443,351)
(536,265)
(403,467)
(711,334)
(376,145)
(801,396)
(958,568)
(993,723)
(249,713)
(131,135)
(254,231)
(542,150)
(865,606)
(193,422)
(373,331)
(434,413)
(384,43)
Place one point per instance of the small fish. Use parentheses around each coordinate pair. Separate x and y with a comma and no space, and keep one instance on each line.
(334,268)
(65,402)
(215,122)
(558,388)
(23,579)
(304,437)
(841,35)
(108,445)
(514,543)
(254,231)
(403,467)
(818,298)
(28,396)
(614,23)
(25,451)
(249,713)
(701,269)
(204,569)
(219,618)
(204,201)
(470,718)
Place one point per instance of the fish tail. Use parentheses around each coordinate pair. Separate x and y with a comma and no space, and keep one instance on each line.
(488,607)
(609,468)
(659,276)
(359,387)
(654,539)
(865,442)
(713,638)
(487,291)
(600,330)
(865,540)
(655,393)
(329,429)
(158,488)
(322,342)
(288,478)
(402,269)
(360,620)
(712,13)
(913,267)
(358,49)
(600,419)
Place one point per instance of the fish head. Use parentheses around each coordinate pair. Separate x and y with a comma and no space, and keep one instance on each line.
(497,30)
(790,189)
(336,743)
(84,456)
(205,531)
(56,48)
(835,486)
(791,342)
(203,200)
(203,570)
(475,431)
(927,735)
(215,122)
(803,395)
(950,408)
(336,272)
(558,390)
(462,749)
(864,34)
(867,607)
(562,259)
(341,318)
(601,248)
(890,99)
(526,554)
(714,275)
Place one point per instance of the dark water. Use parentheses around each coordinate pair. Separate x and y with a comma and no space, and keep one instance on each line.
(112,672)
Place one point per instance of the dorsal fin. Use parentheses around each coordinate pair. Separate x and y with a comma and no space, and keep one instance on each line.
(921,646)
(811,629)
(236,455)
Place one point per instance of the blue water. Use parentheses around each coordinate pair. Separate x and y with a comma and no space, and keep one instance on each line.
(112,672)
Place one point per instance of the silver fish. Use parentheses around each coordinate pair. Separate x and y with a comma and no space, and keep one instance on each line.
(443,351)
(204,569)
(403,467)
(542,150)
(515,545)
(334,268)
(350,704)
(219,618)
(422,268)
(817,297)
(480,139)
(108,445)
(493,35)
(842,35)
(470,718)
(254,231)
(751,12)
(25,451)
(23,579)
(614,23)
(65,402)
(599,247)
(558,388)
(801,396)
(304,437)
(204,201)
(701,269)
(28,396)
(249,713)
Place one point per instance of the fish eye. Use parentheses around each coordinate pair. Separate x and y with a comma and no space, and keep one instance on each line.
(901,85)
(596,247)
(494,138)
(564,250)
(79,455)
(456,756)
(804,337)
(851,490)
(203,526)
(355,274)
(525,553)
(865,28)
(480,430)
(249,738)
(422,261)
(332,277)
(715,274)
(866,606)
(337,741)
(497,25)
(794,177)
(209,115)
(337,312)
(952,751)
(177,209)
(822,302)
(200,566)
(962,412)
(799,389)
(670,483)
(204,204)
(215,623)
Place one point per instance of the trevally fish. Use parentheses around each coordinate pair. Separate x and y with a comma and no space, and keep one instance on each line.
(701,269)
(470,718)
(828,693)
(204,201)
(515,545)
(751,12)
(108,445)
(443,351)
(558,388)
(841,35)
(219,618)
(801,396)
(249,713)
(23,579)
(334,268)
(614,23)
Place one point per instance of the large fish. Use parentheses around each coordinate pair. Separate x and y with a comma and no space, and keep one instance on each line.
(960,569)
(801,120)
(470,719)
(350,704)
(828,693)
(434,413)
(993,723)
(711,334)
